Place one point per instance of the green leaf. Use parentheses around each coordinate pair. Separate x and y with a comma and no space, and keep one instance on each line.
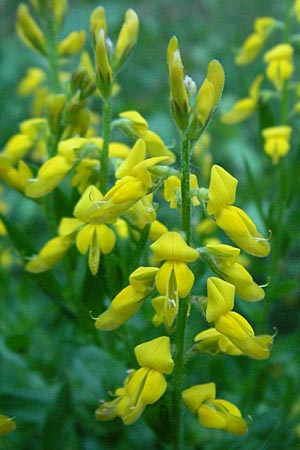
(59,430)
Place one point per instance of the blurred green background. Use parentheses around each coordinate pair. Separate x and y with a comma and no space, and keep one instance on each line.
(52,372)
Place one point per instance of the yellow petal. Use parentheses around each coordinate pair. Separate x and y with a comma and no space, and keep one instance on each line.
(222,189)
(106,238)
(184,279)
(68,226)
(220,298)
(194,396)
(171,246)
(155,354)
(88,199)
(123,306)
(135,156)
(84,238)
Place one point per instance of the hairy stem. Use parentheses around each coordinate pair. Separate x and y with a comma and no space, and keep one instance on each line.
(176,434)
(104,159)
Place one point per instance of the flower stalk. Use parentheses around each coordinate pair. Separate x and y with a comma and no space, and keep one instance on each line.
(176,431)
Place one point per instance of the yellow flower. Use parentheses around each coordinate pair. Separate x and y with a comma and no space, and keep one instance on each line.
(18,177)
(17,147)
(52,252)
(53,171)
(243,108)
(212,412)
(263,27)
(234,221)
(127,39)
(207,98)
(29,31)
(179,98)
(174,279)
(125,193)
(297,9)
(129,300)
(213,342)
(6,424)
(220,298)
(277,141)
(223,260)
(136,126)
(92,237)
(242,231)
(172,190)
(222,189)
(72,44)
(104,73)
(280,64)
(32,80)
(142,387)
(241,334)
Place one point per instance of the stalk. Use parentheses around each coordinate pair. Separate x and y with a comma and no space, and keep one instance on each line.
(176,427)
(104,159)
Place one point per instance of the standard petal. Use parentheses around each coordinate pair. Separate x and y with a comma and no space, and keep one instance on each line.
(155,354)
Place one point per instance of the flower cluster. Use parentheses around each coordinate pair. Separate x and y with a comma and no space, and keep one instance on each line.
(279,68)
(98,193)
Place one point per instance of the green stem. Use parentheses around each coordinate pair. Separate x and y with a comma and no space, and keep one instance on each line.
(104,160)
(176,431)
(52,57)
(185,187)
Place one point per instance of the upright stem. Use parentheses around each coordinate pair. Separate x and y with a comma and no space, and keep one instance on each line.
(104,160)
(176,432)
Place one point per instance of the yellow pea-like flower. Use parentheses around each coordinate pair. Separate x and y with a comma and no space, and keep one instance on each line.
(280,64)
(72,44)
(29,31)
(212,412)
(127,39)
(277,141)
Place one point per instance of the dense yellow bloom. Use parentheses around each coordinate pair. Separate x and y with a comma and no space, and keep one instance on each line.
(280,64)
(129,300)
(234,221)
(213,413)
(6,424)
(277,141)
(254,43)
(174,279)
(125,193)
(142,387)
(223,260)
(243,108)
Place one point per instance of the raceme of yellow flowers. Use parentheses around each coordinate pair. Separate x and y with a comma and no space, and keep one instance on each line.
(115,185)
(279,65)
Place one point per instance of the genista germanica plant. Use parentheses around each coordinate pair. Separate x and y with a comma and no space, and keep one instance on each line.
(99,196)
